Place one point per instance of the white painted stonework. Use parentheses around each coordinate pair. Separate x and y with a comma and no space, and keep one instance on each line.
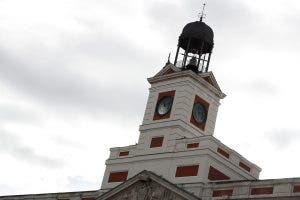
(178,131)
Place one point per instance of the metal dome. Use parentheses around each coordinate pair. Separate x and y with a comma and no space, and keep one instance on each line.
(200,34)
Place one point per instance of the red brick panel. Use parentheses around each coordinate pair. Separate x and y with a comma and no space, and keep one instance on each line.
(261,190)
(124,153)
(207,79)
(219,193)
(191,170)
(160,96)
(223,152)
(244,166)
(296,188)
(117,176)
(192,145)
(216,175)
(156,142)
(206,106)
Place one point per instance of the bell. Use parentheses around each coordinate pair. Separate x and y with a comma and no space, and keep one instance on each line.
(192,64)
(193,61)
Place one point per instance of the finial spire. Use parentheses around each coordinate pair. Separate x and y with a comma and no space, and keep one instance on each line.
(168,62)
(202,15)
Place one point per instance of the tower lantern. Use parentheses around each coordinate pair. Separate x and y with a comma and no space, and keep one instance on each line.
(195,46)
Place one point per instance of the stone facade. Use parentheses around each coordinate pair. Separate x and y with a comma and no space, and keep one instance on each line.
(178,132)
(82,195)
(146,190)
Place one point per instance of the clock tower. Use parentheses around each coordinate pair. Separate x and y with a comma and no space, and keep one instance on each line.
(176,135)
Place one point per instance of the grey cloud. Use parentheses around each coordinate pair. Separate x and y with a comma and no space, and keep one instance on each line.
(66,142)
(63,88)
(110,48)
(16,114)
(261,87)
(174,16)
(283,138)
(11,145)
(236,26)
(80,183)
(53,75)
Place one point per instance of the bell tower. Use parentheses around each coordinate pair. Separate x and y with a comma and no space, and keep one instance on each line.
(185,94)
(195,44)
(176,135)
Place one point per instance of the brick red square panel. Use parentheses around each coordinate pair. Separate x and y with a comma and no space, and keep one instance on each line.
(207,79)
(216,175)
(296,188)
(160,96)
(156,142)
(220,193)
(261,190)
(124,153)
(244,166)
(206,106)
(183,171)
(192,145)
(223,152)
(117,176)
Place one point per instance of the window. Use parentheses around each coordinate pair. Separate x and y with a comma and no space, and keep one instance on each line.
(124,153)
(262,190)
(191,170)
(220,193)
(117,176)
(296,188)
(244,166)
(192,145)
(223,152)
(156,142)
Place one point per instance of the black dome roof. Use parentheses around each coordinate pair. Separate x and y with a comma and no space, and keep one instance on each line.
(199,33)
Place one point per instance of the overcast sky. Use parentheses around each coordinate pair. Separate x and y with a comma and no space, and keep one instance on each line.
(73,83)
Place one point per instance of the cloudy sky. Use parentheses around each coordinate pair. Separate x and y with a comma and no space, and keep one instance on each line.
(73,83)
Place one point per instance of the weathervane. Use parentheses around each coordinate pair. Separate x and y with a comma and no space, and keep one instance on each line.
(202,15)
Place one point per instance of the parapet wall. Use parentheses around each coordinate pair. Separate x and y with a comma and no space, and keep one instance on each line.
(260,189)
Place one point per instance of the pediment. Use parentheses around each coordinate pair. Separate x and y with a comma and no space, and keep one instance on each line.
(147,185)
(210,78)
(168,69)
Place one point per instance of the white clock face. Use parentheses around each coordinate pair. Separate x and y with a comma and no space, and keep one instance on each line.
(164,105)
(199,113)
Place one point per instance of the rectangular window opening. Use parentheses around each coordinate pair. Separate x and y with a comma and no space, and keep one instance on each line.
(263,190)
(223,152)
(296,188)
(156,142)
(118,176)
(220,193)
(192,145)
(124,153)
(244,166)
(183,171)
